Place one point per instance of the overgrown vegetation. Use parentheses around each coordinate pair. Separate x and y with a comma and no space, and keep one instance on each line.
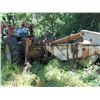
(55,72)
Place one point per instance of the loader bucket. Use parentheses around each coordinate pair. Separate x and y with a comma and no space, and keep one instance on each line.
(90,46)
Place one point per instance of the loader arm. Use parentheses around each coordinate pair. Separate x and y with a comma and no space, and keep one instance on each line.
(67,39)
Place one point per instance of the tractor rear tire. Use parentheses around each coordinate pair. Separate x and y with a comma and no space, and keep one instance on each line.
(12,49)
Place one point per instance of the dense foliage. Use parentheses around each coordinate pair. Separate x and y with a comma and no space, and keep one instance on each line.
(55,73)
(60,24)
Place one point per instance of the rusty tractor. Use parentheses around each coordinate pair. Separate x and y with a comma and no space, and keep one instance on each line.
(27,48)
(21,46)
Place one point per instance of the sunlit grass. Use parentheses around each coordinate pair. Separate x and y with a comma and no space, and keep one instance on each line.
(53,74)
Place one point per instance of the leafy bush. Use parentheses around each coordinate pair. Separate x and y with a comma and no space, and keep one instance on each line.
(54,73)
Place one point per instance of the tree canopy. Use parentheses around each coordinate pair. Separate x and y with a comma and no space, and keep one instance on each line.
(60,24)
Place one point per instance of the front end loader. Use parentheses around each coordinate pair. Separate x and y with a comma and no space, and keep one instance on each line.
(79,46)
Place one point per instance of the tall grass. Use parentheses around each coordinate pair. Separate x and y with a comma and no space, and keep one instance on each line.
(53,74)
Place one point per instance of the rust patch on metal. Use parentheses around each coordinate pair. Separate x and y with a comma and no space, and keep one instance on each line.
(74,50)
(85,53)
